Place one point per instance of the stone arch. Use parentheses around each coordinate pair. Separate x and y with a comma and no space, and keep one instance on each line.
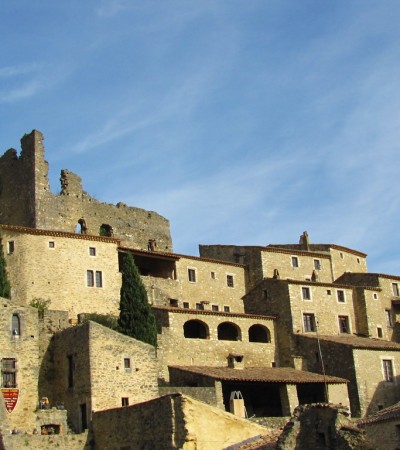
(106,230)
(259,333)
(81,227)
(196,329)
(228,331)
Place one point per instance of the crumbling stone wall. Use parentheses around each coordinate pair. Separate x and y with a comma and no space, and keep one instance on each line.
(26,200)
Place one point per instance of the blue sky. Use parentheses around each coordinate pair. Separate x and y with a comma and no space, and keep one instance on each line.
(242,122)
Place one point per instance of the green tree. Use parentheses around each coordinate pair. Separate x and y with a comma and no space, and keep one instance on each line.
(136,319)
(4,283)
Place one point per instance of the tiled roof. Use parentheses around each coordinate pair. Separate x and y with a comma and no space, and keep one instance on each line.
(358,342)
(205,312)
(272,249)
(55,233)
(260,374)
(389,413)
(261,442)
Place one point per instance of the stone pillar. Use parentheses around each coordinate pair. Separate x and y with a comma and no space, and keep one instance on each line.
(289,399)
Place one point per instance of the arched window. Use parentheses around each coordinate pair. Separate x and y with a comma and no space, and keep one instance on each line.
(16,325)
(106,230)
(81,227)
(195,329)
(259,333)
(228,331)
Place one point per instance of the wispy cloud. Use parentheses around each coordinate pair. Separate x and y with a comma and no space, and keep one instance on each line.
(12,71)
(25,90)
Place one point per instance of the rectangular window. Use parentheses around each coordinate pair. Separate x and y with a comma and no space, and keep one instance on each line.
(305,292)
(90,278)
(344,326)
(186,305)
(395,288)
(92,251)
(99,279)
(389,318)
(295,261)
(340,296)
(127,363)
(173,302)
(9,372)
(309,322)
(329,292)
(227,309)
(11,247)
(229,281)
(379,332)
(214,308)
(199,306)
(52,244)
(317,264)
(212,274)
(192,275)
(125,401)
(70,360)
(387,365)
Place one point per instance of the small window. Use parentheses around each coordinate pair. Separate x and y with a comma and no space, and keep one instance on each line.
(99,279)
(90,278)
(305,292)
(9,372)
(329,292)
(340,296)
(212,274)
(173,302)
(16,325)
(127,363)
(375,296)
(341,255)
(344,326)
(358,260)
(379,332)
(125,401)
(70,361)
(295,261)
(395,288)
(309,322)
(199,306)
(317,264)
(92,251)
(192,275)
(229,281)
(11,247)
(52,244)
(186,305)
(389,317)
(387,365)
(214,307)
(227,309)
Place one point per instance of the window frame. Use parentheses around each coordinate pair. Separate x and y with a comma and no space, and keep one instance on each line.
(230,281)
(395,288)
(89,278)
(306,293)
(317,264)
(99,279)
(192,275)
(344,320)
(389,318)
(294,260)
(388,370)
(52,245)
(92,251)
(10,247)
(309,322)
(340,296)
(9,373)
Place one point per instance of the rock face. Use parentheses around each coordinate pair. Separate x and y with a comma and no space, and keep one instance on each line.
(321,426)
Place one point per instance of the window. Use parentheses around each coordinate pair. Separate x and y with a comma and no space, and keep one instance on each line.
(186,305)
(15,325)
(127,363)
(344,326)
(52,244)
(214,308)
(387,366)
(395,288)
(305,292)
(317,264)
(212,274)
(228,331)
(89,278)
(229,281)
(106,230)
(389,318)
(199,306)
(295,261)
(70,360)
(358,260)
(259,333)
(309,322)
(192,275)
(375,296)
(173,302)
(99,279)
(379,332)
(340,296)
(341,255)
(195,329)
(11,247)
(9,372)
(227,309)
(329,292)
(92,251)
(125,401)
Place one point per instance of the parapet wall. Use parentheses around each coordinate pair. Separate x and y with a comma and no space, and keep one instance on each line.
(26,200)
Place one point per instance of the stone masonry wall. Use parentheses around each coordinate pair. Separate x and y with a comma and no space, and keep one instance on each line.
(26,200)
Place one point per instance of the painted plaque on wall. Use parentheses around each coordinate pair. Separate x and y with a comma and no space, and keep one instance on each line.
(10,398)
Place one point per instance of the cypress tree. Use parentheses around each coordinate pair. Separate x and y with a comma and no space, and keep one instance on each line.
(136,319)
(4,283)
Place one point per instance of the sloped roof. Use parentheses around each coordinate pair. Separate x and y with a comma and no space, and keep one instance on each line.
(260,374)
(358,342)
(389,413)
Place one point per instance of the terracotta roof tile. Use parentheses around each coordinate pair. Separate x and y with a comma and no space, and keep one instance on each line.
(358,342)
(389,413)
(260,374)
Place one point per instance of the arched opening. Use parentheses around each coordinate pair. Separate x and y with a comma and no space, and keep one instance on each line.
(16,325)
(195,329)
(81,227)
(259,333)
(106,230)
(228,331)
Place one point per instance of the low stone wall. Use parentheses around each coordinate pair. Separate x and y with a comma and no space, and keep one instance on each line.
(39,442)
(203,394)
